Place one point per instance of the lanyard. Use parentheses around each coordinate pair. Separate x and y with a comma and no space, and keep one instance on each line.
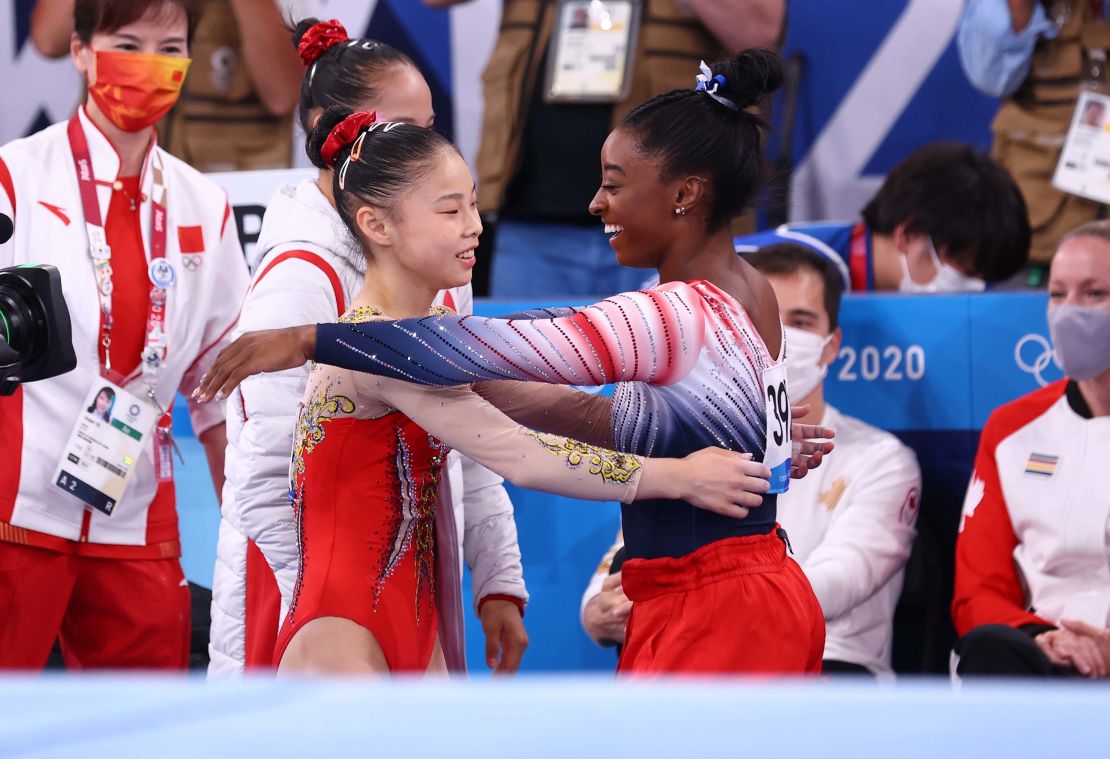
(161,271)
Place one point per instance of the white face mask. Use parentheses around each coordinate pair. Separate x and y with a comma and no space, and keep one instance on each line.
(804,370)
(947,279)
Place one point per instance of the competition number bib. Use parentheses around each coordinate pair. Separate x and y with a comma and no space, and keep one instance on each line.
(105,445)
(779,447)
(590,56)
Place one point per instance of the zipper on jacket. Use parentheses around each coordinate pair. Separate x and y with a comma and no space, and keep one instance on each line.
(85,527)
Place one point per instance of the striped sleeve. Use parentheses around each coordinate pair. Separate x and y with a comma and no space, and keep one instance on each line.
(650,336)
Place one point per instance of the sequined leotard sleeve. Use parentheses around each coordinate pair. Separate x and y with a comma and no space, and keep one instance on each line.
(653,336)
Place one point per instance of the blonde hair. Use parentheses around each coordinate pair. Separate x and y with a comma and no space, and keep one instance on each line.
(1099,229)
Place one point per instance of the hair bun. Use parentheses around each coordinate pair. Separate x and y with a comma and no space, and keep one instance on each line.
(750,76)
(321,131)
(313,38)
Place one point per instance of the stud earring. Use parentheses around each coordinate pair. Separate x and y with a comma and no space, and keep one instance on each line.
(680,211)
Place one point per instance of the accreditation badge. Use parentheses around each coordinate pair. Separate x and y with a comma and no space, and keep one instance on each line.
(779,448)
(590,56)
(1084,166)
(105,446)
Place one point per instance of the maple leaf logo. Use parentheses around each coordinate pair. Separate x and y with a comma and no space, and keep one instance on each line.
(975,492)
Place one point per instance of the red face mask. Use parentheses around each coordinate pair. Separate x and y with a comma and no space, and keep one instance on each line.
(134,90)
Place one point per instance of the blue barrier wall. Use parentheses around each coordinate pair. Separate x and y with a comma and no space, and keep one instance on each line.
(929,368)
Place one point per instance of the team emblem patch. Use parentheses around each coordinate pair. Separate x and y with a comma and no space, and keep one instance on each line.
(190,239)
(1041,464)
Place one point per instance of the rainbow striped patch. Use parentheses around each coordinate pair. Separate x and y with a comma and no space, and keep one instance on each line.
(1041,465)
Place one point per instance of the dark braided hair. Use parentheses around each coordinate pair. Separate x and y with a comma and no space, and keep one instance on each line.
(344,74)
(692,134)
(394,157)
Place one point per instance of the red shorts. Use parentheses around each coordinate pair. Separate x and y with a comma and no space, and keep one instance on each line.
(734,606)
(108,613)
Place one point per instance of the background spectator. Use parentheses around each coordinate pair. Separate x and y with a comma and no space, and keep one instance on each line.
(100,571)
(1035,56)
(947,219)
(1032,573)
(236,110)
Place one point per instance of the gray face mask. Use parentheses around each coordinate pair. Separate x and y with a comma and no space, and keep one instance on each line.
(1082,340)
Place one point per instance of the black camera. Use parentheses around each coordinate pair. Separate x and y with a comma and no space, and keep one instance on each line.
(35,341)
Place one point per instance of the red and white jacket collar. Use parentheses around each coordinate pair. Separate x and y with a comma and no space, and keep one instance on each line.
(106,159)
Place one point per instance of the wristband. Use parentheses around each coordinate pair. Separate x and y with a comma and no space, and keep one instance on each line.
(518,602)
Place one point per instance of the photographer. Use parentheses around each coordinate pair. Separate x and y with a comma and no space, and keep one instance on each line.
(154,275)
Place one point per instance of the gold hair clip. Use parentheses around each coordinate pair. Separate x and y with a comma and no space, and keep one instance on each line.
(356,151)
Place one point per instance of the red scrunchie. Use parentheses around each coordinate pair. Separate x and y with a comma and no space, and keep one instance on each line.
(344,133)
(319,38)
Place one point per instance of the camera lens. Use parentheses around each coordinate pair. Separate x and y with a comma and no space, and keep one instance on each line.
(35,339)
(21,319)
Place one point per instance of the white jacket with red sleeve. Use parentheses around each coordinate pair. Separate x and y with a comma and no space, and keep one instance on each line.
(39,190)
(1034,541)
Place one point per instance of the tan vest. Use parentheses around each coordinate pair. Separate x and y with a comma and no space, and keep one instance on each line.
(1031,126)
(670,45)
(219,124)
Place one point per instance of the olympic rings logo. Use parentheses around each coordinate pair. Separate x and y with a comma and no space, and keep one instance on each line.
(191,263)
(1043,357)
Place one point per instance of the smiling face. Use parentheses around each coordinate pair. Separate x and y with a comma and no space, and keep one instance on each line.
(432,231)
(635,204)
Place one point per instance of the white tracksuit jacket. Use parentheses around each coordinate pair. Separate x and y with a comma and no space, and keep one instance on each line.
(39,190)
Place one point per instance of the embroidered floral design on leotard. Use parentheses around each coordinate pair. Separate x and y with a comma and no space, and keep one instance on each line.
(360,314)
(321,407)
(365,313)
(609,465)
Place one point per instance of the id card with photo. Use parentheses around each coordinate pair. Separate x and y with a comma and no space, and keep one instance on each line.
(1084,166)
(590,56)
(105,446)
